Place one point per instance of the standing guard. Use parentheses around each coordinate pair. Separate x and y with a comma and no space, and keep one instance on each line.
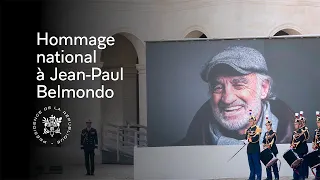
(307,134)
(269,141)
(316,142)
(89,142)
(298,137)
(253,149)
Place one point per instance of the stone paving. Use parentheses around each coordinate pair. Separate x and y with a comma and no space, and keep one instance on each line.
(102,172)
(105,172)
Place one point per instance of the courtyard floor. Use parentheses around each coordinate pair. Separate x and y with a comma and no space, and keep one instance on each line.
(105,172)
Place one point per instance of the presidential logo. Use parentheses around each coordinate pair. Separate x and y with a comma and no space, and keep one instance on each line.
(51,125)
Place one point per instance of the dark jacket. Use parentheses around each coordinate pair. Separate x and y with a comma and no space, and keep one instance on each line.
(316,138)
(298,142)
(89,139)
(271,141)
(307,135)
(199,134)
(254,133)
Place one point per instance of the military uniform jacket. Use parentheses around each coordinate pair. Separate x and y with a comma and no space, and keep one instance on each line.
(270,139)
(307,135)
(298,138)
(253,133)
(89,139)
(316,139)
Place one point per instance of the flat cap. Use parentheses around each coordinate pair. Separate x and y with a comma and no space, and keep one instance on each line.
(244,60)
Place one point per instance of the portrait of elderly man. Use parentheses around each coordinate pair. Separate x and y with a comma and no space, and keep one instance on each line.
(238,82)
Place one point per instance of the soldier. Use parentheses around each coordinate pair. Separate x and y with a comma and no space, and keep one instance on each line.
(307,134)
(298,137)
(269,141)
(89,142)
(316,142)
(253,149)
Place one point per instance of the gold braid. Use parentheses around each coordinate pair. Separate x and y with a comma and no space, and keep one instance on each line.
(85,137)
(296,136)
(269,137)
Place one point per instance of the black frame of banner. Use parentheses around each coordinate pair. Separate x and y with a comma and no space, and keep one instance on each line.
(241,38)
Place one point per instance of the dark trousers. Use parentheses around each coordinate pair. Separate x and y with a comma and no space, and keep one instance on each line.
(255,166)
(275,170)
(305,164)
(318,172)
(305,168)
(299,172)
(89,161)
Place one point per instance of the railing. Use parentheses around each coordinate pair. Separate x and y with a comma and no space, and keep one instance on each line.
(123,139)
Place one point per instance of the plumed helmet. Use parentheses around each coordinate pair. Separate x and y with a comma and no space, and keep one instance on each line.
(297,118)
(302,118)
(268,121)
(252,116)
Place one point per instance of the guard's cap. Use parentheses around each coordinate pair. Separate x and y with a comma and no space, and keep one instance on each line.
(244,60)
(88,121)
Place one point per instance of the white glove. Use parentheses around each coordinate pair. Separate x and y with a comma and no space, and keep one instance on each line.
(245,141)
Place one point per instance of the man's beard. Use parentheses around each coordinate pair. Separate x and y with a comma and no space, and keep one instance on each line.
(237,123)
(241,121)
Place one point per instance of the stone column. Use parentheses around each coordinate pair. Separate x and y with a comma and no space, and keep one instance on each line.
(142,94)
(129,87)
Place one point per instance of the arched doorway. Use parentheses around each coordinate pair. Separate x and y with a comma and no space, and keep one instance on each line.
(196,34)
(286,32)
(123,108)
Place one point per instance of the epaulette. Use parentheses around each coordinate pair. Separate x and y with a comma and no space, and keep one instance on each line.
(258,130)
(271,131)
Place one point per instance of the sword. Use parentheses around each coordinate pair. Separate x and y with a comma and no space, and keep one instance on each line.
(237,152)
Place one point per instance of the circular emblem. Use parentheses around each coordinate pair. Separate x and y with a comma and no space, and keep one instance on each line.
(52,125)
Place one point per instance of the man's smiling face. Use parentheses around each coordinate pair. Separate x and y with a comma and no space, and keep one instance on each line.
(234,96)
